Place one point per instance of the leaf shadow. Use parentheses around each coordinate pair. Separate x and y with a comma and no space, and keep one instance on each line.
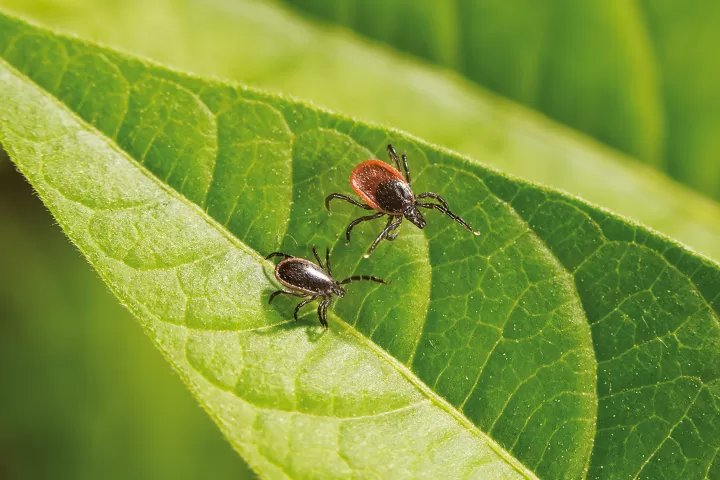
(284,307)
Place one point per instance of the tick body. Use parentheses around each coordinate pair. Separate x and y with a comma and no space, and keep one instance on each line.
(385,190)
(307,280)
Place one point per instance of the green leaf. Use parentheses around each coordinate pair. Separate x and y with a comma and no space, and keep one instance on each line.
(264,45)
(564,341)
(639,76)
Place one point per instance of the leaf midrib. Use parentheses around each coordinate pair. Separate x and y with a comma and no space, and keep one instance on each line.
(267,267)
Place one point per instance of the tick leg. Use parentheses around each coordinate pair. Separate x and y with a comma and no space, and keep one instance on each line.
(393,232)
(321,311)
(447,212)
(302,304)
(391,226)
(325,309)
(278,254)
(327,261)
(393,156)
(407,170)
(359,220)
(286,292)
(347,199)
(317,257)
(371,278)
(436,197)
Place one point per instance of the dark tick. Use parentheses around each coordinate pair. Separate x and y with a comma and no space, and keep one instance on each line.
(307,280)
(384,189)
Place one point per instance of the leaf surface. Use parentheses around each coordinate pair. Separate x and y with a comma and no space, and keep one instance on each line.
(564,341)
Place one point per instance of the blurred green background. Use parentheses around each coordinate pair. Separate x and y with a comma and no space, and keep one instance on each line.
(641,76)
(607,100)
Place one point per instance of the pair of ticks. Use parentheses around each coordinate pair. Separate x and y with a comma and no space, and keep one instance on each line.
(383,189)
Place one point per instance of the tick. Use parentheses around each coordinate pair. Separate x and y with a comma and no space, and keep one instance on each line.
(309,281)
(384,189)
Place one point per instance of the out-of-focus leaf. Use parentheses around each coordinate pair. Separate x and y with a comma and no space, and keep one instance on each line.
(564,339)
(685,38)
(4,161)
(639,76)
(266,46)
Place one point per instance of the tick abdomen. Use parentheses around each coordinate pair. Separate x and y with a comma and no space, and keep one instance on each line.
(300,274)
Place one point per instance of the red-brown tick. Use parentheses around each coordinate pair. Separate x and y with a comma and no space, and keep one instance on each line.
(310,281)
(384,189)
